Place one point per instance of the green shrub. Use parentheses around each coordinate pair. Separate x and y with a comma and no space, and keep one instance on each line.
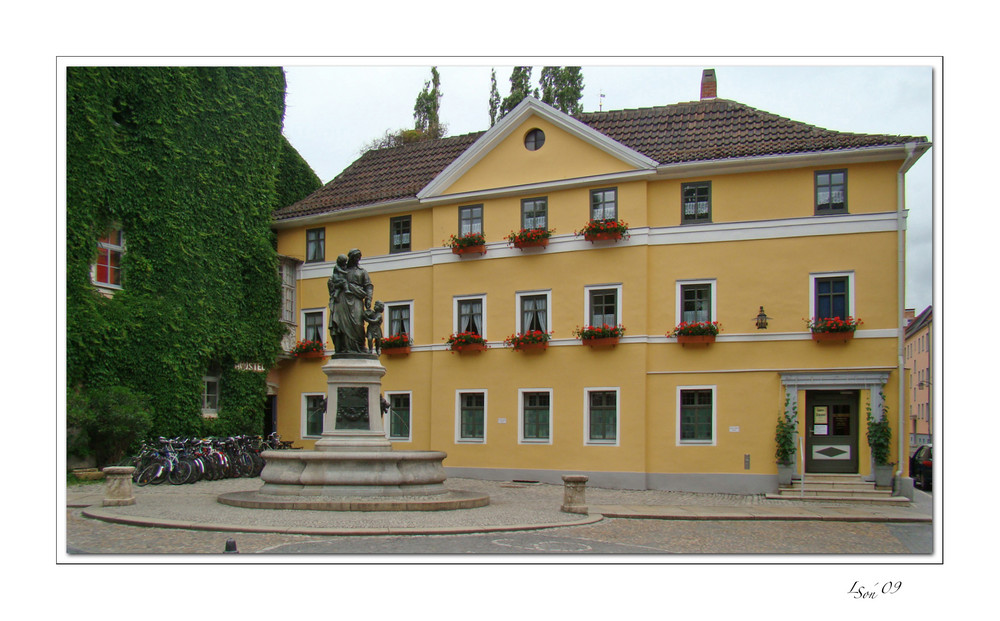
(879,434)
(107,421)
(784,435)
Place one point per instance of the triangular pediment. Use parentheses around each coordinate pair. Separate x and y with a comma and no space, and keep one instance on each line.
(499,157)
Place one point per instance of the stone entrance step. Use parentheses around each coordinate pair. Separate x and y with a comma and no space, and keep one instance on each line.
(837,488)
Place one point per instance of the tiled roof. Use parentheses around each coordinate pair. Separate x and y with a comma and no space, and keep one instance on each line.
(707,130)
(716,129)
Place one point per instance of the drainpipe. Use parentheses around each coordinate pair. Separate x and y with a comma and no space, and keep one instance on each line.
(912,155)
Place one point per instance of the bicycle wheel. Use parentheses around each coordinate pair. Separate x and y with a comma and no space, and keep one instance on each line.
(180,473)
(148,474)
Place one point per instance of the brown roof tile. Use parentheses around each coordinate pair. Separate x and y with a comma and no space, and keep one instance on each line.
(708,130)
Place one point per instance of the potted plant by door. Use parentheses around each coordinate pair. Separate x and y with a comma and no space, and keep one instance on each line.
(879,439)
(784,438)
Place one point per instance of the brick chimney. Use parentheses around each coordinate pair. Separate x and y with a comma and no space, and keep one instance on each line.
(708,84)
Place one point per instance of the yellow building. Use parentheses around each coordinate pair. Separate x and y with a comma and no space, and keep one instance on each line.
(730,211)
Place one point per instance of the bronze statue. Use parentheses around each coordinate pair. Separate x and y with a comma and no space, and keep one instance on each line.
(351,292)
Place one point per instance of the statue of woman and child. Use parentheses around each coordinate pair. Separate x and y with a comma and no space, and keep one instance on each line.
(351,308)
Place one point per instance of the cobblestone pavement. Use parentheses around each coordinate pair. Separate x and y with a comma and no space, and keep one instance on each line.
(609,536)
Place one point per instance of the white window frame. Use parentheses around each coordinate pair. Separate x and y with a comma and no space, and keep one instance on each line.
(209,412)
(389,394)
(619,313)
(813,276)
(518,319)
(458,415)
(324,326)
(715,407)
(520,416)
(455,301)
(679,300)
(587,441)
(304,406)
(288,270)
(387,324)
(112,248)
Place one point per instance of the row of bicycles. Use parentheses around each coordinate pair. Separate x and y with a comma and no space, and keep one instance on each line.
(189,460)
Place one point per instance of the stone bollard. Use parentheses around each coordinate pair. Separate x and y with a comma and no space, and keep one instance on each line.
(118,486)
(574,493)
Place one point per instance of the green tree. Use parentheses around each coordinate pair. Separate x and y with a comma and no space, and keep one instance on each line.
(494,98)
(520,87)
(562,88)
(426,110)
(426,119)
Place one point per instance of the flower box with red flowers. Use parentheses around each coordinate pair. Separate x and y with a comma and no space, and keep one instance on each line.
(309,349)
(599,336)
(396,345)
(533,340)
(696,332)
(833,328)
(466,342)
(602,230)
(530,238)
(470,243)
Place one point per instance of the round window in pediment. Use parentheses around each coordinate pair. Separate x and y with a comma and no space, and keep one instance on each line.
(534,139)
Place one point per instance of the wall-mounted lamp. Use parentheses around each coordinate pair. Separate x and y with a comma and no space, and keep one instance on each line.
(762,319)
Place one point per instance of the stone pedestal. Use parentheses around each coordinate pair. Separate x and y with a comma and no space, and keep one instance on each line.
(118,486)
(353,466)
(353,420)
(574,493)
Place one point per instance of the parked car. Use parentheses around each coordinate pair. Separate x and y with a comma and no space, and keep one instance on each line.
(920,466)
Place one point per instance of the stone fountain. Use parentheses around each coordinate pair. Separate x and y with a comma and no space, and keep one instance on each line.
(353,465)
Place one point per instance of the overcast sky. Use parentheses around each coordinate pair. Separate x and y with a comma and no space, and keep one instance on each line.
(331,111)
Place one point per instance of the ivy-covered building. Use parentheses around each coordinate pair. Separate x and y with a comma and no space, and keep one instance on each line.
(172,282)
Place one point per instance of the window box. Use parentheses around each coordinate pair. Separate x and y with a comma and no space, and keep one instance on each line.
(470,243)
(833,328)
(396,345)
(529,238)
(696,339)
(608,341)
(699,332)
(469,348)
(470,250)
(604,230)
(396,351)
(534,340)
(832,336)
(309,350)
(466,342)
(603,336)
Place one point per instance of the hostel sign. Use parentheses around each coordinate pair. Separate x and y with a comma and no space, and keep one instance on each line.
(255,367)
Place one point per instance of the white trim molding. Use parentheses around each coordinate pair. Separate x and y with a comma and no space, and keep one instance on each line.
(677,427)
(587,441)
(849,275)
(389,394)
(458,415)
(520,416)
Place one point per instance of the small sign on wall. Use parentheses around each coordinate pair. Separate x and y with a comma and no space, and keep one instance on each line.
(735,429)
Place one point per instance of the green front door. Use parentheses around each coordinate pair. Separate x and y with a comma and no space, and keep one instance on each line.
(832,431)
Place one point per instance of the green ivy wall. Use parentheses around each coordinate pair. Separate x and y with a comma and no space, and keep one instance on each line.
(190,162)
